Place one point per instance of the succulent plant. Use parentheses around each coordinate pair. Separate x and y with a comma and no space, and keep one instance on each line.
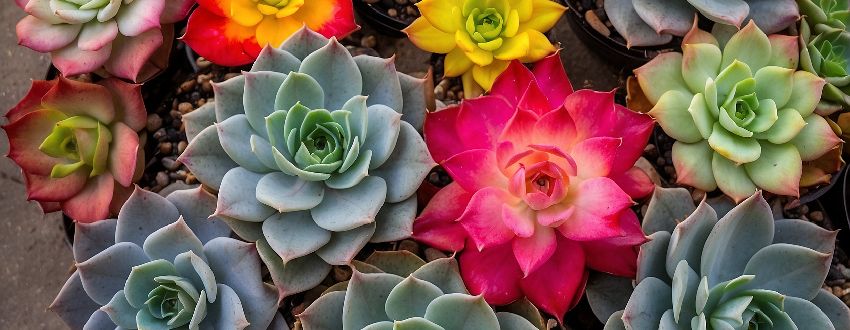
(126,39)
(829,13)
(165,264)
(398,290)
(743,110)
(743,271)
(78,145)
(480,37)
(653,22)
(310,155)
(825,51)
(543,184)
(233,32)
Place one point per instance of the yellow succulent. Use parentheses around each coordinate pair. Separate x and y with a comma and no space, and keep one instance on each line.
(480,37)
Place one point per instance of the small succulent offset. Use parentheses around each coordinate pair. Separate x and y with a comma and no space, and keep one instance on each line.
(398,290)
(78,145)
(543,184)
(743,271)
(831,13)
(126,39)
(744,111)
(825,50)
(311,156)
(480,37)
(164,264)
(654,22)
(233,32)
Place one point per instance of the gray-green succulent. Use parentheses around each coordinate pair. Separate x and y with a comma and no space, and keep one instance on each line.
(164,264)
(314,153)
(825,50)
(743,271)
(399,291)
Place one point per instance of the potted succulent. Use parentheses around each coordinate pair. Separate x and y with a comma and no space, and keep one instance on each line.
(390,17)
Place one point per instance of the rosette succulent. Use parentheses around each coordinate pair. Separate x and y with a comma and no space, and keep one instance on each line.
(743,271)
(832,13)
(165,264)
(653,22)
(825,50)
(543,184)
(233,32)
(78,145)
(741,115)
(398,290)
(126,39)
(480,37)
(310,155)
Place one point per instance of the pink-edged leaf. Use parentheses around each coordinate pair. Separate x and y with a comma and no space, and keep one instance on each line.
(122,153)
(534,100)
(475,169)
(96,35)
(520,129)
(140,16)
(440,134)
(596,156)
(71,60)
(44,188)
(556,128)
(31,101)
(617,255)
(557,285)
(553,80)
(634,182)
(482,218)
(519,218)
(92,203)
(532,252)
(25,136)
(554,215)
(491,273)
(481,120)
(130,55)
(635,129)
(592,112)
(43,36)
(129,105)
(437,226)
(513,83)
(598,203)
(76,98)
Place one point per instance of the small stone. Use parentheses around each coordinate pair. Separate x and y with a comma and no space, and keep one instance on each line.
(392,12)
(202,63)
(165,148)
(369,41)
(170,163)
(439,92)
(231,75)
(660,161)
(650,151)
(432,254)
(401,2)
(697,195)
(596,23)
(181,147)
(206,87)
(408,245)
(460,95)
(341,273)
(411,11)
(175,115)
(185,107)
(162,179)
(160,134)
(154,122)
(186,86)
(201,102)
(451,95)
(816,216)
(191,179)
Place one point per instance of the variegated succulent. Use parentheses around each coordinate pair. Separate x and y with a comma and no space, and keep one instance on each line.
(164,264)
(743,271)
(313,155)
(398,290)
(656,22)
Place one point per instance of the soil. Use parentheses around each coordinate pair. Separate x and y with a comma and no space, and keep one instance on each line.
(402,10)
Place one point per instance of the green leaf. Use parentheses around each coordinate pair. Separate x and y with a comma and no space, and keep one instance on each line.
(171,240)
(367,293)
(700,62)
(615,322)
(140,282)
(286,193)
(190,267)
(406,166)
(632,27)
(525,309)
(510,321)
(735,148)
(325,313)
(806,314)
(300,88)
(806,93)
(273,59)
(730,76)
(106,273)
(766,116)
(672,115)
(443,273)
(394,221)
(684,289)
(732,179)
(238,197)
(786,128)
(144,320)
(263,151)
(731,311)
(648,303)
(690,162)
(689,237)
(346,209)
(120,311)
(774,83)
(227,313)
(750,45)
(778,169)
(415,105)
(735,239)
(354,174)
(235,136)
(833,308)
(815,139)
(447,309)
(384,129)
(702,115)
(607,294)
(92,238)
(410,298)
(303,42)
(666,208)
(294,234)
(297,275)
(199,119)
(229,98)
(415,323)
(261,90)
(662,74)
(337,73)
(800,274)
(652,258)
(806,234)
(401,263)
(345,245)
(380,81)
(206,159)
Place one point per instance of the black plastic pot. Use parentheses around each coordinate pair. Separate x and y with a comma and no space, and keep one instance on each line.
(378,19)
(836,204)
(614,51)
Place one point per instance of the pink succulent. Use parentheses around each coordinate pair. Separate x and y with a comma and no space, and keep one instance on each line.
(78,145)
(543,184)
(126,39)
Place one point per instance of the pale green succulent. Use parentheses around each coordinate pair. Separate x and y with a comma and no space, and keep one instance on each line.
(399,291)
(743,271)
(831,13)
(165,264)
(825,51)
(313,155)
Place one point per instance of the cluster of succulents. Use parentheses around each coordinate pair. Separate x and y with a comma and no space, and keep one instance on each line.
(825,50)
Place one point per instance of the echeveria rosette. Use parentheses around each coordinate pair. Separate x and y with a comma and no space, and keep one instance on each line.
(825,51)
(164,263)
(233,32)
(127,39)
(480,37)
(312,155)
(656,22)
(741,114)
(825,13)
(743,271)
(543,184)
(78,145)
(398,290)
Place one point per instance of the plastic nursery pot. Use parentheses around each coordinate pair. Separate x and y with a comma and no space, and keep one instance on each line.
(836,204)
(613,50)
(374,13)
